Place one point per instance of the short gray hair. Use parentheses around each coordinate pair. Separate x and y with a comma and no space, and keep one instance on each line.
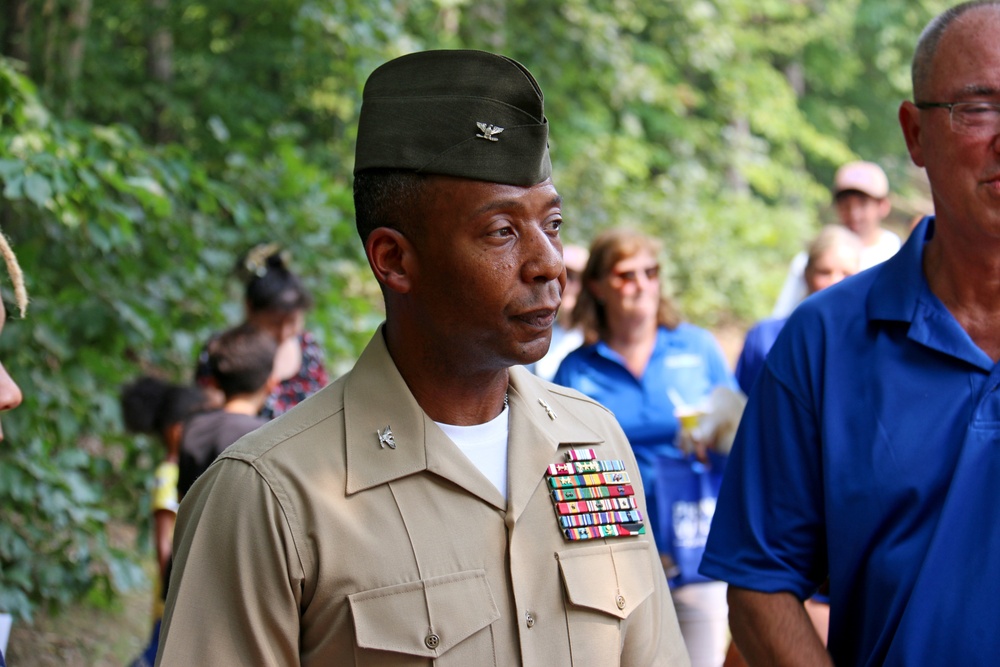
(923,56)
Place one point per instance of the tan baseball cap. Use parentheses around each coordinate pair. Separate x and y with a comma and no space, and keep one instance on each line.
(865,177)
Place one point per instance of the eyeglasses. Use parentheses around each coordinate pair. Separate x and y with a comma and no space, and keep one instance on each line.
(973,119)
(622,278)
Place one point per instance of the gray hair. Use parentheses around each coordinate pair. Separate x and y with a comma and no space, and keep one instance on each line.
(829,237)
(923,56)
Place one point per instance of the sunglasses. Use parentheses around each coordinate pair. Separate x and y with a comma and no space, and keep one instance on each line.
(620,278)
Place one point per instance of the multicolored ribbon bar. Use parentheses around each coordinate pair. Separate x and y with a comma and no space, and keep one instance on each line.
(593,492)
(599,518)
(593,498)
(604,505)
(594,479)
(610,530)
(582,467)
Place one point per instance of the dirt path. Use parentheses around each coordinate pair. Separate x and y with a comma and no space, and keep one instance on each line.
(85,635)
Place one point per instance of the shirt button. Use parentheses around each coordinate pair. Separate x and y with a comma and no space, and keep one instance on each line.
(432,641)
(620,601)
(529,619)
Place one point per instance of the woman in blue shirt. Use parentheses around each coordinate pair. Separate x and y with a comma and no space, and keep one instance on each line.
(643,363)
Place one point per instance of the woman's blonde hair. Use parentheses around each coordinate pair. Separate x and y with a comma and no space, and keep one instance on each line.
(607,249)
(16,276)
(832,236)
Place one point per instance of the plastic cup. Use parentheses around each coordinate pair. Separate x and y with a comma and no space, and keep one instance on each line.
(689,418)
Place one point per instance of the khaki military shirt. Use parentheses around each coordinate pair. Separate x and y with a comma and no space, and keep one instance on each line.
(313,542)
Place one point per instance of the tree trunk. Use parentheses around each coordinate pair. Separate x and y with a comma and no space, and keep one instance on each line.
(46,74)
(160,68)
(77,21)
(795,74)
(16,35)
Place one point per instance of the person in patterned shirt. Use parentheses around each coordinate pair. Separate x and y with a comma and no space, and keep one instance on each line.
(276,301)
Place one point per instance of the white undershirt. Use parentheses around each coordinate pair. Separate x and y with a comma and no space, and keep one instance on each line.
(486,446)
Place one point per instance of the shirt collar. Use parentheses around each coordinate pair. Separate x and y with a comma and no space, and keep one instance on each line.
(900,282)
(376,397)
(901,293)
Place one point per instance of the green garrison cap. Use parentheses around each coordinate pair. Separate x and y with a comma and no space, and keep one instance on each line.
(470,114)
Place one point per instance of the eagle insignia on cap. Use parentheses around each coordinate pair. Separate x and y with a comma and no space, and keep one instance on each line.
(488,131)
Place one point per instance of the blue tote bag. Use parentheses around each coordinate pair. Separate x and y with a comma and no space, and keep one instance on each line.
(686,491)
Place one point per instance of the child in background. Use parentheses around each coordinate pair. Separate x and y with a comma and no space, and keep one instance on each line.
(241,361)
(275,299)
(155,407)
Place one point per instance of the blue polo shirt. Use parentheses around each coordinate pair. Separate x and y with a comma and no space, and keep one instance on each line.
(687,360)
(757,344)
(869,452)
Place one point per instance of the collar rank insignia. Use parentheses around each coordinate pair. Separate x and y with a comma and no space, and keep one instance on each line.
(489,132)
(549,411)
(385,438)
(593,498)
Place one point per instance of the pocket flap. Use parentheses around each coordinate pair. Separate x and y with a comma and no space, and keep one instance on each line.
(611,579)
(395,618)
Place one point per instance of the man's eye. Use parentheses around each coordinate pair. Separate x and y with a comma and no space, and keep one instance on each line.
(979,109)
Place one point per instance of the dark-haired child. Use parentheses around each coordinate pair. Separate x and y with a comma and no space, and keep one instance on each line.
(241,362)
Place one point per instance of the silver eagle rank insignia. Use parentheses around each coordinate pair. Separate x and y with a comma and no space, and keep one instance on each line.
(489,132)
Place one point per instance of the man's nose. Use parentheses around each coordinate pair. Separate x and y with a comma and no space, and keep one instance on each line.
(546,260)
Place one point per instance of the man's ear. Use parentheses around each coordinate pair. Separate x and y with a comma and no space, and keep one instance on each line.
(391,257)
(909,121)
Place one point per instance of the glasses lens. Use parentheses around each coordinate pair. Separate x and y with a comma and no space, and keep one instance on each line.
(626,276)
(977,119)
(623,277)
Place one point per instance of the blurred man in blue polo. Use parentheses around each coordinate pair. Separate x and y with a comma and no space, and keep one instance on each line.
(869,451)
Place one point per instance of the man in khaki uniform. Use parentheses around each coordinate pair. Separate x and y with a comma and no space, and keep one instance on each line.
(439,504)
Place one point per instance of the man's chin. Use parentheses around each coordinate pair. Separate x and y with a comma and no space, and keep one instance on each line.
(534,350)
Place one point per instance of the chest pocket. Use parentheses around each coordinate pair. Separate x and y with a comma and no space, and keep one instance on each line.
(604,584)
(442,619)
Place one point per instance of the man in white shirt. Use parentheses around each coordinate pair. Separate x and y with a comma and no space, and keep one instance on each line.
(861,197)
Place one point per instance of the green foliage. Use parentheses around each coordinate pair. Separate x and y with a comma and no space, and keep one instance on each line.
(127,248)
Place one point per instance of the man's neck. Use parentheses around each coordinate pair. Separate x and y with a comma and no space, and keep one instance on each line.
(446,389)
(244,404)
(967,281)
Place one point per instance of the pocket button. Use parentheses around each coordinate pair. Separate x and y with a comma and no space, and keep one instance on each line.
(620,601)
(432,641)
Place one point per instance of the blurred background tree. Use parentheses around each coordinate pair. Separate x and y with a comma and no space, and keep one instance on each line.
(144,144)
